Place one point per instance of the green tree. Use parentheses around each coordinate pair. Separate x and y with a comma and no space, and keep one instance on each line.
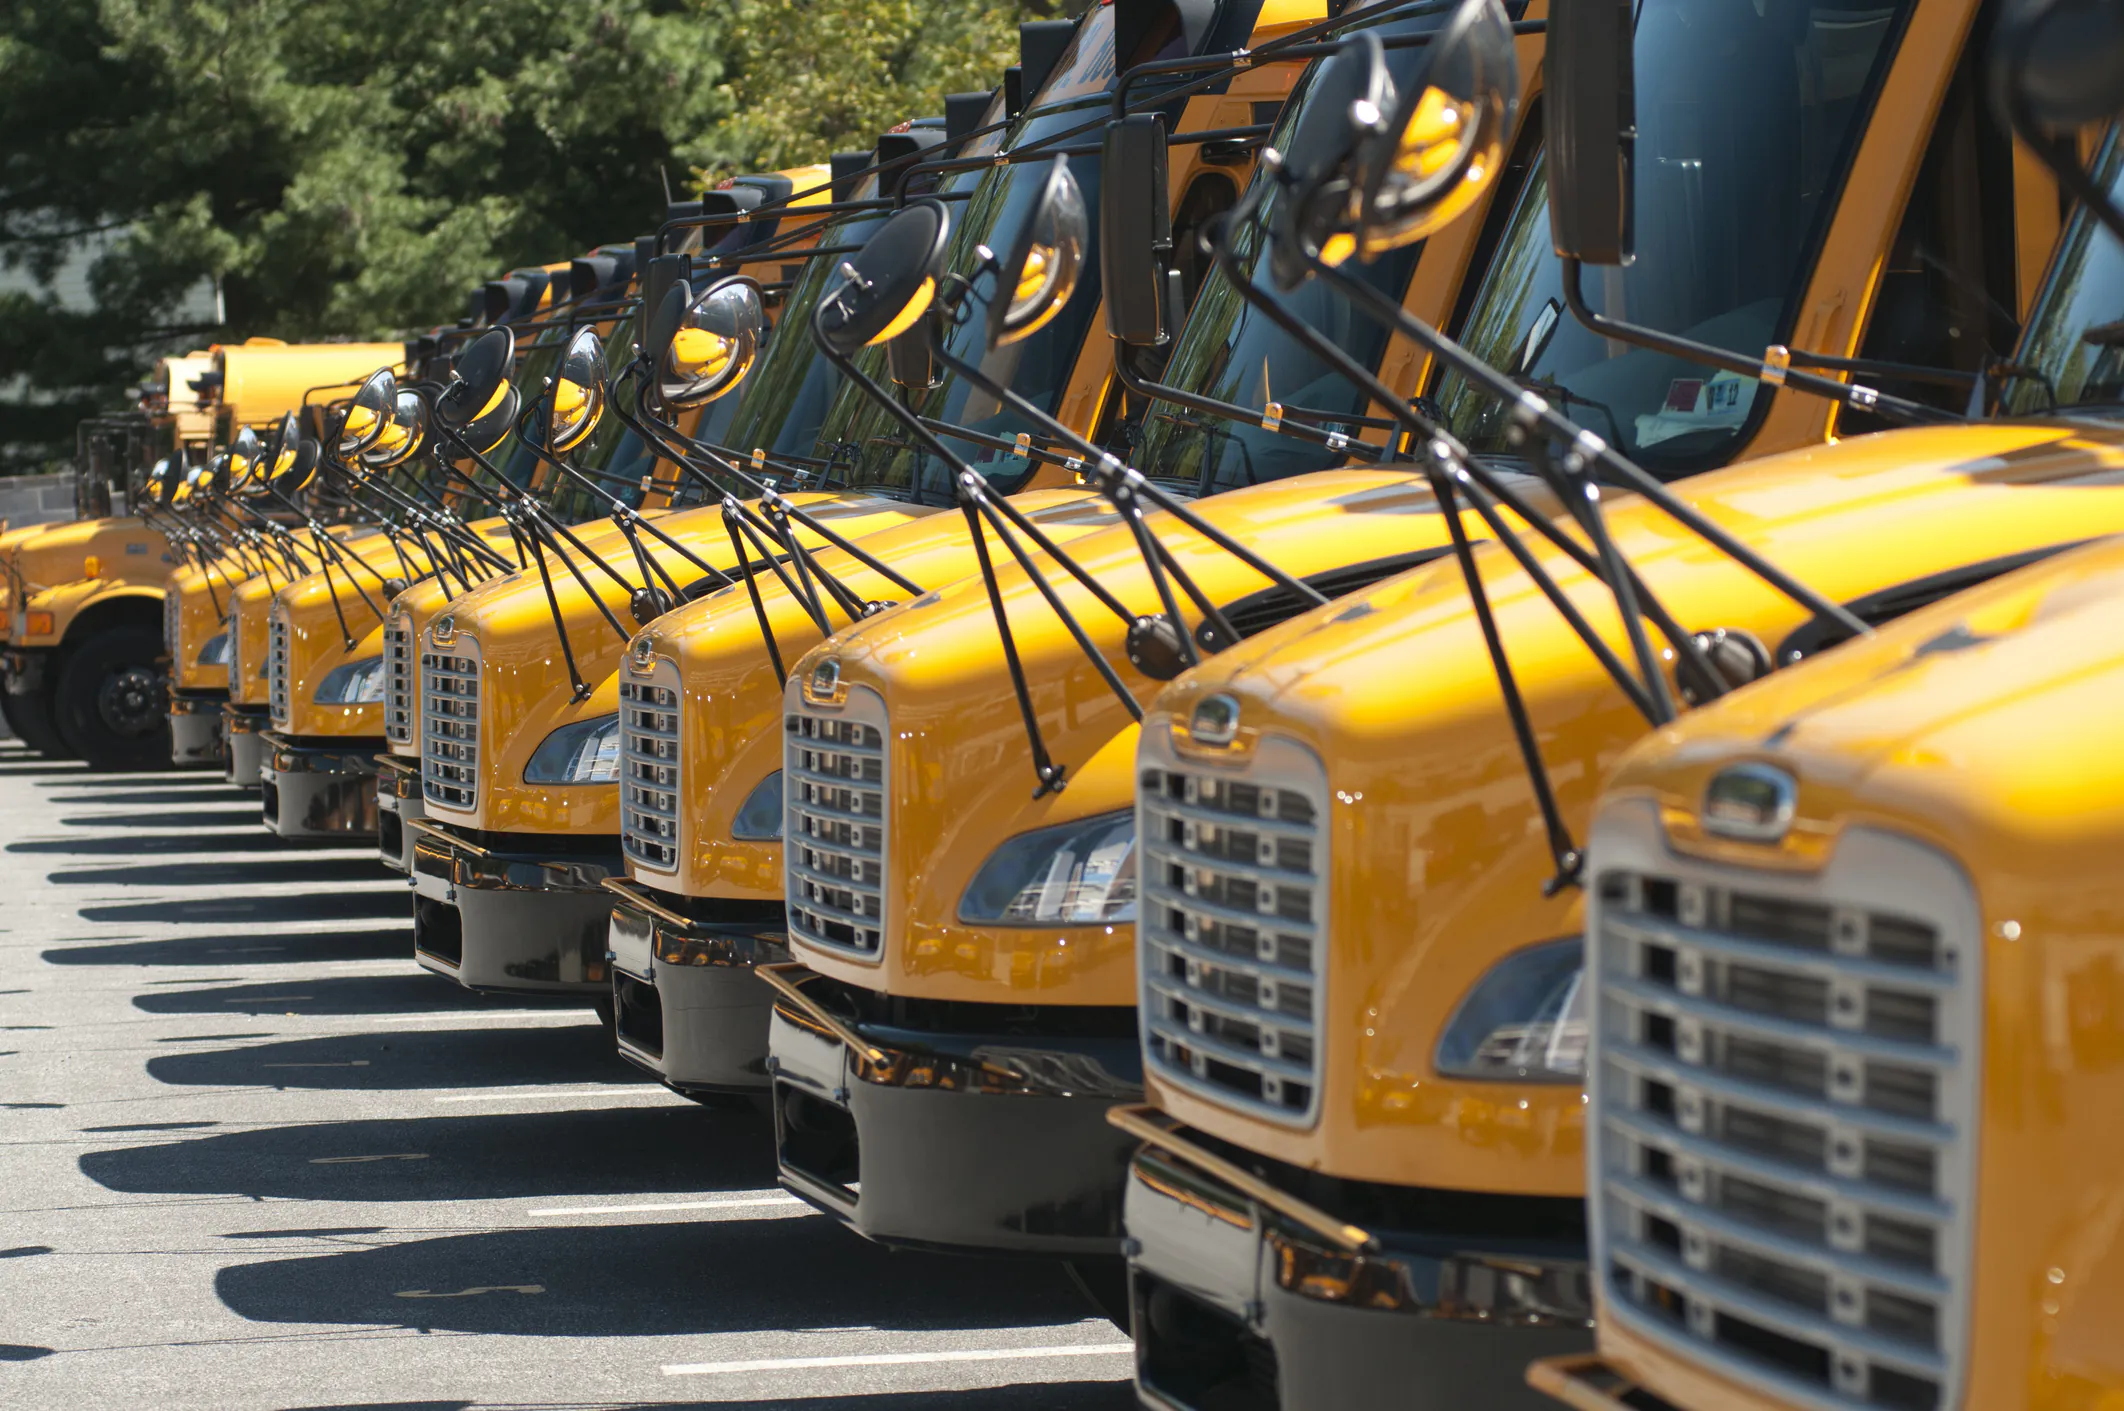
(348,168)
(809,77)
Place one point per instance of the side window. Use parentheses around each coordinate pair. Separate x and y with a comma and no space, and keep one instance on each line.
(1209,196)
(1947,297)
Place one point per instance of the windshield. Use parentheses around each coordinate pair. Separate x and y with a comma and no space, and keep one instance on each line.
(1748,112)
(513,458)
(2084,294)
(1232,351)
(1037,368)
(787,394)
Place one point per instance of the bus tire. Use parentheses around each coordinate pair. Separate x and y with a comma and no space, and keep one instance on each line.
(112,701)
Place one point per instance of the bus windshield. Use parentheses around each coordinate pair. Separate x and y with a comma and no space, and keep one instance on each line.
(1037,368)
(1748,115)
(1232,351)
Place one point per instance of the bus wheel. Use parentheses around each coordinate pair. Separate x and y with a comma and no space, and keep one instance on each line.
(113,703)
(30,717)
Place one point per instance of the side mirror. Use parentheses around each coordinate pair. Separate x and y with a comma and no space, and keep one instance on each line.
(1315,212)
(2061,62)
(703,347)
(1443,140)
(403,434)
(292,476)
(890,283)
(280,451)
(365,417)
(481,379)
(1037,277)
(664,271)
(1590,125)
(1135,231)
(245,461)
(155,486)
(182,493)
(576,399)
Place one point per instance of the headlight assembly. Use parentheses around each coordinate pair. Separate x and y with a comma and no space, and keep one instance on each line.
(216,651)
(759,820)
(1524,1022)
(356,683)
(586,752)
(1074,874)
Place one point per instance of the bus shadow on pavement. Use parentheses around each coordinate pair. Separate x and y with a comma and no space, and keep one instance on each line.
(414,992)
(196,818)
(381,943)
(244,911)
(652,1280)
(292,866)
(253,839)
(402,1060)
(612,1153)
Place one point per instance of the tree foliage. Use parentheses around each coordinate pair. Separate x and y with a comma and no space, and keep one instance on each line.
(348,168)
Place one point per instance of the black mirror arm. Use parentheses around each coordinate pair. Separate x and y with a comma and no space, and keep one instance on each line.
(578,689)
(1782,373)
(1631,475)
(1050,776)
(739,521)
(1416,424)
(752,589)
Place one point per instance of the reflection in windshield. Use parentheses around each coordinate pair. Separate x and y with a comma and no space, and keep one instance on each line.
(2085,291)
(1747,113)
(1037,368)
(1233,352)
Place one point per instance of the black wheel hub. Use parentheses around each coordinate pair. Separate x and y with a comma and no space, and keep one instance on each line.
(130,701)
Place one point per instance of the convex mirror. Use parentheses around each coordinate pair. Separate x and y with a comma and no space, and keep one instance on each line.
(575,400)
(293,475)
(703,347)
(890,282)
(1038,275)
(366,415)
(403,433)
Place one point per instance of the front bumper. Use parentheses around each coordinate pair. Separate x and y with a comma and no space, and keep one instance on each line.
(313,790)
(497,915)
(399,804)
(978,1143)
(22,669)
(245,727)
(1237,1303)
(1591,1383)
(688,1006)
(197,734)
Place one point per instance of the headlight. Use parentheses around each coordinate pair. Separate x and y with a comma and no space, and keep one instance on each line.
(760,819)
(586,752)
(1074,874)
(1524,1022)
(216,651)
(356,683)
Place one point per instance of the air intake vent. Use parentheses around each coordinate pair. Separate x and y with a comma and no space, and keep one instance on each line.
(1783,1093)
(649,769)
(834,828)
(449,725)
(398,678)
(1233,919)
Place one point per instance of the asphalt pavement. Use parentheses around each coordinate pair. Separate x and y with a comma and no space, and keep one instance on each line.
(251,1156)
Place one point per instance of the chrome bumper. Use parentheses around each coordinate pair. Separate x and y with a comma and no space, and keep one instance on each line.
(1238,1296)
(688,1005)
(245,728)
(399,803)
(197,734)
(497,919)
(318,792)
(974,1143)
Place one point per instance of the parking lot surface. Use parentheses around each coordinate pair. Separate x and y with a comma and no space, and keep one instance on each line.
(251,1156)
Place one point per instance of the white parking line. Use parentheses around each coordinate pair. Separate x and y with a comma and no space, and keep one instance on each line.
(732,1203)
(898,1359)
(557,1094)
(524,1018)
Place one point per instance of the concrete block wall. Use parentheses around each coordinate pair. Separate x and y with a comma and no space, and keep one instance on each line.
(36,499)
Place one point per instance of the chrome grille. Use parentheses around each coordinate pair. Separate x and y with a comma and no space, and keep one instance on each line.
(649,768)
(834,783)
(277,666)
(398,678)
(1783,1089)
(1233,924)
(449,724)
